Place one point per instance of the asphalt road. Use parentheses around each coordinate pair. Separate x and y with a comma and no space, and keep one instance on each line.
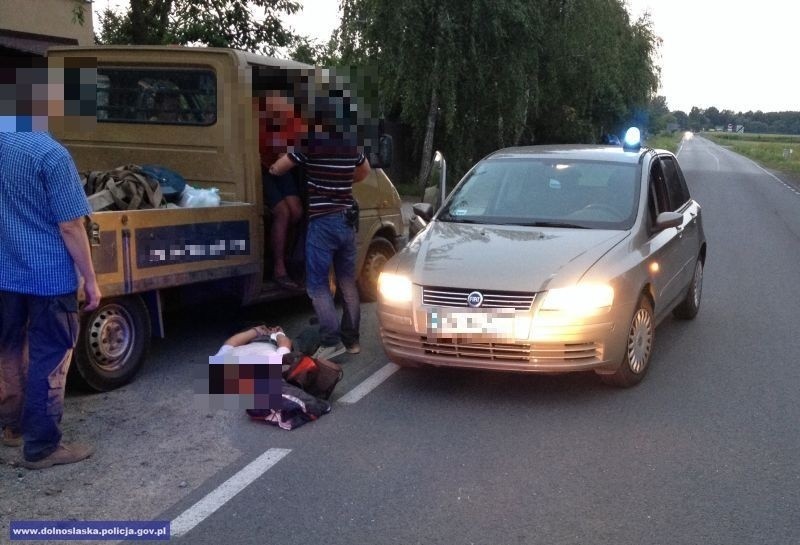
(704,451)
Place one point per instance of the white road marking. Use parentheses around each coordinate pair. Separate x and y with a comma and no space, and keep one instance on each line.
(771,174)
(201,510)
(370,384)
(715,158)
(227,490)
(786,185)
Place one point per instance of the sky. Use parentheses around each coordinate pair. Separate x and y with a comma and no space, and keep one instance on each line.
(735,55)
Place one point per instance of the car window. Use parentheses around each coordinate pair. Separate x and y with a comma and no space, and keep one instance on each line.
(159,96)
(658,197)
(675,184)
(559,192)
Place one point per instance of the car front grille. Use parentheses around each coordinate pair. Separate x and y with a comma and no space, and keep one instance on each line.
(455,297)
(450,349)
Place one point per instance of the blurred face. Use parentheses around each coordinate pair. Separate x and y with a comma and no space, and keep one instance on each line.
(280,126)
(47,99)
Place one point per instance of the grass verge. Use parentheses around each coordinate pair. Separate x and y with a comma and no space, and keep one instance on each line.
(665,141)
(778,152)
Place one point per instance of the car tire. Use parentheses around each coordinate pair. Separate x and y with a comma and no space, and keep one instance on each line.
(638,348)
(690,305)
(378,253)
(112,343)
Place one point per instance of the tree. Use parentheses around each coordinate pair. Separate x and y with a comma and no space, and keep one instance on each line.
(713,116)
(697,119)
(217,23)
(682,119)
(459,73)
(311,51)
(658,114)
(597,70)
(472,76)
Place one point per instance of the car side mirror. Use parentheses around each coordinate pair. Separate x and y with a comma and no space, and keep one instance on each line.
(423,210)
(665,220)
(383,159)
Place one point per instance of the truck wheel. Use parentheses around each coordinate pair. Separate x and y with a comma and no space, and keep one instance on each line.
(379,252)
(113,342)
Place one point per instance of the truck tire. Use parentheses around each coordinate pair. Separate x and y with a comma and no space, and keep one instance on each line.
(378,253)
(112,343)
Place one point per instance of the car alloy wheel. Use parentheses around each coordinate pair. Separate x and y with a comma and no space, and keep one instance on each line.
(640,340)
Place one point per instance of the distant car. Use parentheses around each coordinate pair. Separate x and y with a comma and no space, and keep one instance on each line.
(611,140)
(548,259)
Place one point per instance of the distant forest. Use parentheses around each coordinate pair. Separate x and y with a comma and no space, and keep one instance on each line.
(753,122)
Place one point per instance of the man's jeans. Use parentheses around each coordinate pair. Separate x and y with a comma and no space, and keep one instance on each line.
(37,335)
(332,241)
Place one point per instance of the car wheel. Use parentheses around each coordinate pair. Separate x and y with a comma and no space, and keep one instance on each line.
(638,348)
(112,343)
(689,307)
(379,252)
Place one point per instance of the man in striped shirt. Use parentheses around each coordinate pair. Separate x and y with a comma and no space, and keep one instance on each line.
(332,165)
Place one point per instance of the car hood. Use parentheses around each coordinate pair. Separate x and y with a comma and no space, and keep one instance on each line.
(511,258)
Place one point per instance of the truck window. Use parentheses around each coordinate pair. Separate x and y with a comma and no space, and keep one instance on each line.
(158,96)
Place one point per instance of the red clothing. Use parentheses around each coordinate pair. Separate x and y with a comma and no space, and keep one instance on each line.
(277,136)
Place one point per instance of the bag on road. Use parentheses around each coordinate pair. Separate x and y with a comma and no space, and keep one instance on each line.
(316,376)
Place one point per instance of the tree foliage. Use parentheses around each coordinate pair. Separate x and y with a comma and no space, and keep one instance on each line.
(455,71)
(598,70)
(252,25)
(753,122)
(472,76)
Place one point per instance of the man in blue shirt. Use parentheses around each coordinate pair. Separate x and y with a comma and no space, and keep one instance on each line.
(42,209)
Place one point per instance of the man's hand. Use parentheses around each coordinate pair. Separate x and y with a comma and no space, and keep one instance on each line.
(91,291)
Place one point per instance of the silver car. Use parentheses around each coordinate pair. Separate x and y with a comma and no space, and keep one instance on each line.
(548,259)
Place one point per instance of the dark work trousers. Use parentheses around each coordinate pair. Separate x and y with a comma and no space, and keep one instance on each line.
(37,335)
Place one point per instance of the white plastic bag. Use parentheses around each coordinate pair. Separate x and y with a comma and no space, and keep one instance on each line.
(193,197)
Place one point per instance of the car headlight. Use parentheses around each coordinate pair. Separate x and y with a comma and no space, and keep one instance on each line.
(394,288)
(579,300)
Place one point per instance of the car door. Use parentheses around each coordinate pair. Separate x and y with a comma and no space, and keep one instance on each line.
(664,245)
(681,202)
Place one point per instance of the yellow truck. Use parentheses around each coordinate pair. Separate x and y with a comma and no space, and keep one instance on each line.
(211,139)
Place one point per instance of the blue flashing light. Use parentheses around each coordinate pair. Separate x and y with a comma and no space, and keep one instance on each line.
(632,140)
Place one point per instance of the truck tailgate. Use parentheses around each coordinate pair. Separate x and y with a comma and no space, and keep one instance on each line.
(142,250)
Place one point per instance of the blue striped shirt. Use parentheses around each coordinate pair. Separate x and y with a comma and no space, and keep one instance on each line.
(329,180)
(39,188)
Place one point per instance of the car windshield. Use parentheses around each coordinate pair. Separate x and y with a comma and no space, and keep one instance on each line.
(546,193)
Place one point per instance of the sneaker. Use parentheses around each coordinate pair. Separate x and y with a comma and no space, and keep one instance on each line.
(65,453)
(354,348)
(329,352)
(11,439)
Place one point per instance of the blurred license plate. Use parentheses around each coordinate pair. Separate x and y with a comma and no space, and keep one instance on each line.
(494,322)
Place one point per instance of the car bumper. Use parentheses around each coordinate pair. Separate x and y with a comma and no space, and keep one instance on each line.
(547,348)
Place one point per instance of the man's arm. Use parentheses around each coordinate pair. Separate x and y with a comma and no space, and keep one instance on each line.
(247,336)
(362,171)
(77,243)
(283,165)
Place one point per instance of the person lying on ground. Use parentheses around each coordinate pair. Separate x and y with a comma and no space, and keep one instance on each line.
(260,341)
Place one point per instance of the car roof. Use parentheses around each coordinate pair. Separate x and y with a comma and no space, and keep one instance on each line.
(584,152)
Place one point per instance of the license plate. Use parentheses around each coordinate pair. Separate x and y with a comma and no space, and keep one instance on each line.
(494,322)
